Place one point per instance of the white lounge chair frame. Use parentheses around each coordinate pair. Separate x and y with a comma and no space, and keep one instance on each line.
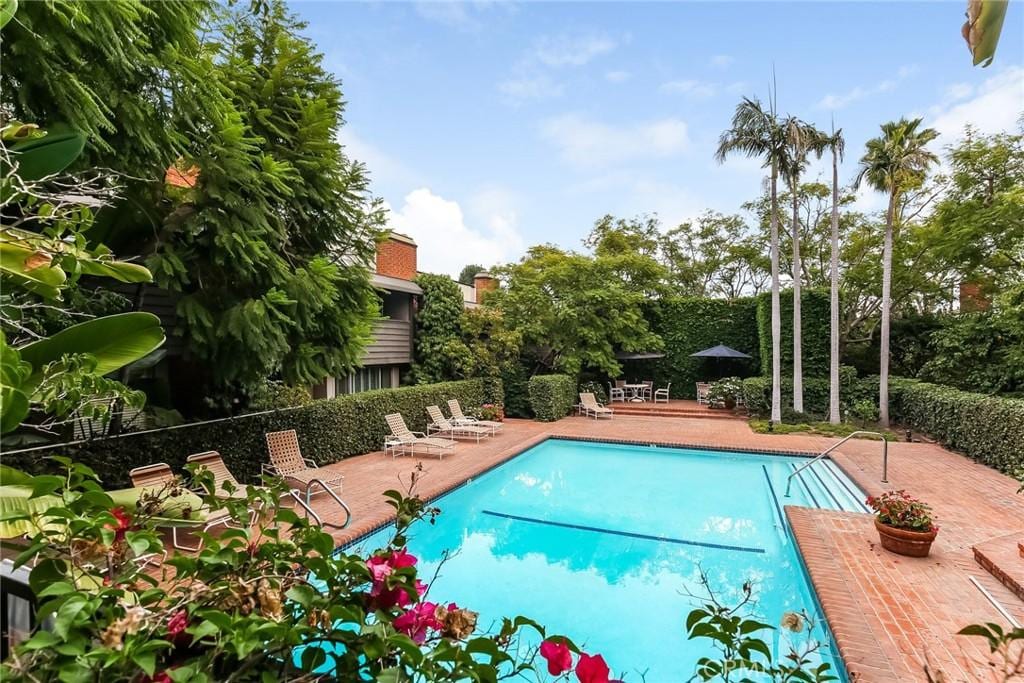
(160,474)
(591,408)
(460,418)
(441,425)
(402,438)
(287,463)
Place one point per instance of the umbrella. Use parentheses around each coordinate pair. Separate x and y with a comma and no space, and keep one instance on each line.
(720,351)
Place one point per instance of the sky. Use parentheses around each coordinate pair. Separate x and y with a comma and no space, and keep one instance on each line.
(488,127)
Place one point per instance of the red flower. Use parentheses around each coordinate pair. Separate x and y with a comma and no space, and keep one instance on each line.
(159,677)
(177,624)
(592,669)
(381,567)
(417,620)
(558,655)
(124,523)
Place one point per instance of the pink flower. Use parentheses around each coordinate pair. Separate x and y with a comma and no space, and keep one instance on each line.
(558,655)
(417,620)
(400,559)
(177,623)
(592,669)
(379,568)
(383,566)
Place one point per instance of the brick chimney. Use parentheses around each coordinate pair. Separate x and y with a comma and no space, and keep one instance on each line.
(483,283)
(973,298)
(396,256)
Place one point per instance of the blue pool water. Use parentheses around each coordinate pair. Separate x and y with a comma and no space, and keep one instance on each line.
(602,542)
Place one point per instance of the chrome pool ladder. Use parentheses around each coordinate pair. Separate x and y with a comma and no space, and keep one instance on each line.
(819,456)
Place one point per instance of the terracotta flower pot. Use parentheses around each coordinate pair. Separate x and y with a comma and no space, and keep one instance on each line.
(905,542)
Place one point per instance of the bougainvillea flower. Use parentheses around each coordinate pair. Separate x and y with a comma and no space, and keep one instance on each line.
(379,568)
(177,623)
(558,655)
(124,523)
(400,559)
(592,669)
(417,620)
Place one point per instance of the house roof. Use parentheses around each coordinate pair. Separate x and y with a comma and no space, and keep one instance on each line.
(394,284)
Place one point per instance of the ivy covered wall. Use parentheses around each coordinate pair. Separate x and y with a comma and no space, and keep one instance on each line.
(814,316)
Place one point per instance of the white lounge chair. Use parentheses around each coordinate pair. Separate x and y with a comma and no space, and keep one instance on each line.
(460,418)
(591,408)
(661,395)
(402,438)
(439,424)
(158,476)
(286,462)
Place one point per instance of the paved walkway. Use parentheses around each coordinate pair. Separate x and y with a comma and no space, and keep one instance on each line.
(891,616)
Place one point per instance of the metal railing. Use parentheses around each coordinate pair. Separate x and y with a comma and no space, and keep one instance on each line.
(885,457)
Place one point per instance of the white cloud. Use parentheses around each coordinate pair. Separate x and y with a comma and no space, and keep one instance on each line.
(690,88)
(445,242)
(996,105)
(959,91)
(521,89)
(838,101)
(570,50)
(617,76)
(722,61)
(586,142)
(384,168)
(463,15)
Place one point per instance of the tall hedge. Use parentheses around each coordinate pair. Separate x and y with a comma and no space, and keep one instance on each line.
(757,392)
(985,428)
(814,319)
(552,396)
(329,430)
(688,325)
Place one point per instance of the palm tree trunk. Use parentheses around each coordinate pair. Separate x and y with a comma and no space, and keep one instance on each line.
(776,308)
(883,373)
(833,369)
(798,370)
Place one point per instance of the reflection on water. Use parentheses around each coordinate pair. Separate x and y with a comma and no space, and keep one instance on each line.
(619,595)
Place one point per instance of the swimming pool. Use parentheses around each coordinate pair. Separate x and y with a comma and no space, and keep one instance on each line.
(602,541)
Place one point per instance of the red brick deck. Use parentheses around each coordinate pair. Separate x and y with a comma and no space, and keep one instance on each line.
(891,616)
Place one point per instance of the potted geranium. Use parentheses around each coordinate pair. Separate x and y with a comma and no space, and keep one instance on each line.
(492,411)
(905,525)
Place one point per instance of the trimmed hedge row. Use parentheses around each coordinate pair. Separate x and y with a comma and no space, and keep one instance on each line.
(329,430)
(552,397)
(815,320)
(757,392)
(688,324)
(986,428)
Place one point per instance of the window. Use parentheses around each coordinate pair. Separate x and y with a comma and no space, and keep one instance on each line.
(364,379)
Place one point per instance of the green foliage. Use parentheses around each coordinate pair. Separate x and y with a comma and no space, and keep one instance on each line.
(468,272)
(823,428)
(552,397)
(986,428)
(246,607)
(864,412)
(329,430)
(272,395)
(687,325)
(978,352)
(515,380)
(757,392)
(900,510)
(814,317)
(441,353)
(725,391)
(599,390)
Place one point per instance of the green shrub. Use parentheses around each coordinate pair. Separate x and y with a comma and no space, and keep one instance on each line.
(596,388)
(757,392)
(329,430)
(687,325)
(552,396)
(815,321)
(515,383)
(273,394)
(864,412)
(985,428)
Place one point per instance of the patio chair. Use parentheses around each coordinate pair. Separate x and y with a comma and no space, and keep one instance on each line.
(212,461)
(460,418)
(647,392)
(301,473)
(616,393)
(439,424)
(159,475)
(702,392)
(661,395)
(402,437)
(591,408)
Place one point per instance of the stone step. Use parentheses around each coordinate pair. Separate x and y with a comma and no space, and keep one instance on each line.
(998,558)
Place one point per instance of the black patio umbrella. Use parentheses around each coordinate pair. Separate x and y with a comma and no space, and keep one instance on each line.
(718,353)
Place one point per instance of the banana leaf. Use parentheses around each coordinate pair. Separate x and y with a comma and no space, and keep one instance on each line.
(26,268)
(115,341)
(47,155)
(983,27)
(7,10)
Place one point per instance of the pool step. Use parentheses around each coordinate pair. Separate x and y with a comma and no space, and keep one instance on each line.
(828,487)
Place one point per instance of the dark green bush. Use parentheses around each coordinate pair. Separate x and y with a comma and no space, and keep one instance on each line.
(688,325)
(985,428)
(328,430)
(815,320)
(552,396)
(757,392)
(515,382)
(596,388)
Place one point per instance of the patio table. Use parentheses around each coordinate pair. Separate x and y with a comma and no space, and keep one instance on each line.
(635,391)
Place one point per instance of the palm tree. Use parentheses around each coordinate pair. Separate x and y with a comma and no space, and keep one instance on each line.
(837,144)
(756,132)
(801,139)
(895,162)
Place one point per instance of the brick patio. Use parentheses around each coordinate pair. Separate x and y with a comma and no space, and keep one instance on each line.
(891,616)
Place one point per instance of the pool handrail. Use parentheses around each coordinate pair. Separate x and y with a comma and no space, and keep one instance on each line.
(819,456)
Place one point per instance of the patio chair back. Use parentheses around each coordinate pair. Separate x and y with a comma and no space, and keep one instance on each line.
(588,400)
(398,427)
(455,409)
(284,451)
(620,383)
(702,392)
(211,460)
(157,474)
(438,418)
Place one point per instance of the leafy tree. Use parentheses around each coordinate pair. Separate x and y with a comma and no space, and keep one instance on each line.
(441,353)
(895,162)
(757,132)
(468,272)
(715,255)
(575,311)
